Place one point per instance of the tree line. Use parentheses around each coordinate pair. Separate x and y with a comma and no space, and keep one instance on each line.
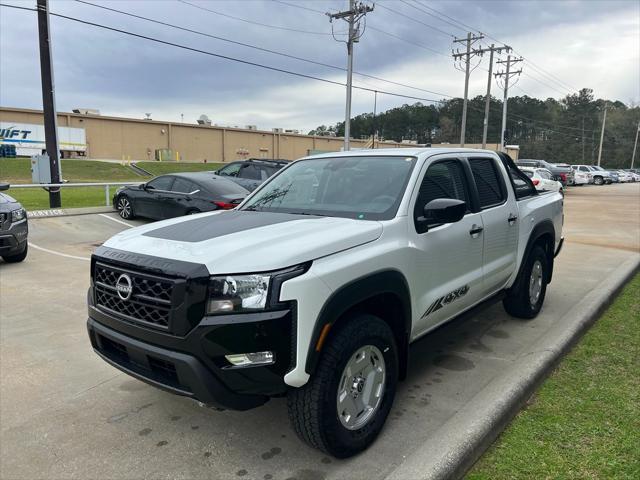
(563,131)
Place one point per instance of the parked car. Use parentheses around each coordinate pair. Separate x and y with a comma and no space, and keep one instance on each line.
(635,174)
(600,176)
(615,176)
(178,194)
(317,283)
(571,178)
(14,228)
(251,173)
(542,179)
(625,176)
(582,178)
(563,175)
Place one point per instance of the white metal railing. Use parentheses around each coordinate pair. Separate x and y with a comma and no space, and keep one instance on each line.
(106,185)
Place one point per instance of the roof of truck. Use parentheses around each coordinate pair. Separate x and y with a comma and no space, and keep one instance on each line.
(411,152)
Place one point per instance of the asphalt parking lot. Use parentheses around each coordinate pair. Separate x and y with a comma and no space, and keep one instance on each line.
(67,414)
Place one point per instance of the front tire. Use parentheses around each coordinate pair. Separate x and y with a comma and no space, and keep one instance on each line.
(343,407)
(18,257)
(598,181)
(125,207)
(526,297)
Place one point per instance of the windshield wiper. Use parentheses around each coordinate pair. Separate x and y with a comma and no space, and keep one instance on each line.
(307,213)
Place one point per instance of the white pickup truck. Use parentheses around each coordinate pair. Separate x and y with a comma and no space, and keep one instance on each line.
(317,283)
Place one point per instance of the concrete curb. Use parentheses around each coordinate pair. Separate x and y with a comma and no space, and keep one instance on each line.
(65,212)
(456,446)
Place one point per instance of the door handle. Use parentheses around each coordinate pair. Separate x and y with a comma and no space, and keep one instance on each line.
(512,218)
(475,230)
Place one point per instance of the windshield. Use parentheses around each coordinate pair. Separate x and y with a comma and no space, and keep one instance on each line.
(367,187)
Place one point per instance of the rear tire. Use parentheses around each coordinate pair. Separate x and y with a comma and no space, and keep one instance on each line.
(598,181)
(18,257)
(125,207)
(526,297)
(357,373)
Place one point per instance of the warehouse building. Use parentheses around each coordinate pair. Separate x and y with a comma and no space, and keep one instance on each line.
(120,138)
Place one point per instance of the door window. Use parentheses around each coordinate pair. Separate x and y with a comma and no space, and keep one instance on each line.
(181,185)
(230,170)
(250,172)
(442,180)
(488,181)
(161,183)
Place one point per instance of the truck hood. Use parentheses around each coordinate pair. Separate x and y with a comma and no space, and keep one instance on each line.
(245,241)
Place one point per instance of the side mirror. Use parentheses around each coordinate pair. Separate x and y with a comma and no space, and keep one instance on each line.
(146,186)
(4,186)
(442,210)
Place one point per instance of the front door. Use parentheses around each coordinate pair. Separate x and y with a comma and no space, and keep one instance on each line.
(447,261)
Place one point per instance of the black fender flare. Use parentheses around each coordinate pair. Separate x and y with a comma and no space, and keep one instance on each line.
(356,292)
(545,227)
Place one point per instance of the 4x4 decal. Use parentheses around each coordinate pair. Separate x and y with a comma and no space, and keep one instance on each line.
(446,300)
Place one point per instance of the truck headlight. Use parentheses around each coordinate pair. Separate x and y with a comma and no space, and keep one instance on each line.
(238,293)
(17,215)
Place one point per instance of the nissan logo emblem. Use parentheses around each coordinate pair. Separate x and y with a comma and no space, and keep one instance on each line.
(124,286)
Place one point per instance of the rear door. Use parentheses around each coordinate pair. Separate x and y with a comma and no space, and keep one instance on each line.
(499,212)
(179,201)
(447,266)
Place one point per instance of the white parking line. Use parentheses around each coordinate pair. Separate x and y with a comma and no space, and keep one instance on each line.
(116,220)
(33,245)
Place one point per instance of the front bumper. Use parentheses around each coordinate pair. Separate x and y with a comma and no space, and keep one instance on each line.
(13,238)
(194,365)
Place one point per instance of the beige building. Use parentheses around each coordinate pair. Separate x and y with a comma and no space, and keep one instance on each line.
(132,139)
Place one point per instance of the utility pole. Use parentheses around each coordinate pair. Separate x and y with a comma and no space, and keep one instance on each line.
(635,145)
(49,101)
(375,107)
(507,75)
(482,51)
(356,11)
(604,121)
(470,40)
(583,139)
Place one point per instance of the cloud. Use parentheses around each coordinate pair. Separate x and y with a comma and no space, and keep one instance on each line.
(583,43)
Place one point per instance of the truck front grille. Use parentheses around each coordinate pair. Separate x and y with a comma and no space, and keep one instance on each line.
(145,299)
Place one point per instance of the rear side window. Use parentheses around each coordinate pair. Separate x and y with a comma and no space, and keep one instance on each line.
(488,181)
(521,182)
(442,180)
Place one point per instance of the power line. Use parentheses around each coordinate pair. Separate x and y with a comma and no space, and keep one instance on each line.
(410,42)
(252,22)
(274,52)
(463,25)
(448,34)
(227,57)
(431,14)
(397,37)
(533,65)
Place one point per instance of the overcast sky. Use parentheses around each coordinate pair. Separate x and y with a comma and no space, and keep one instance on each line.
(593,44)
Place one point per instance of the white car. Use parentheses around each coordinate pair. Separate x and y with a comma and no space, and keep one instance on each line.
(582,178)
(542,179)
(317,283)
(599,174)
(625,176)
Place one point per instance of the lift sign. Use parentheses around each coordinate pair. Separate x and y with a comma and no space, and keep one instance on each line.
(11,132)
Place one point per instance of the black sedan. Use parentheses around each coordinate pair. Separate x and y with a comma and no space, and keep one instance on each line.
(178,194)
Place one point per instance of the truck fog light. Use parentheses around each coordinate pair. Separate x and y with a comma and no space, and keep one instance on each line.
(247,359)
(220,306)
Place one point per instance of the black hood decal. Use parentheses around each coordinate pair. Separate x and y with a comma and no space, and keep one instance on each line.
(212,226)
